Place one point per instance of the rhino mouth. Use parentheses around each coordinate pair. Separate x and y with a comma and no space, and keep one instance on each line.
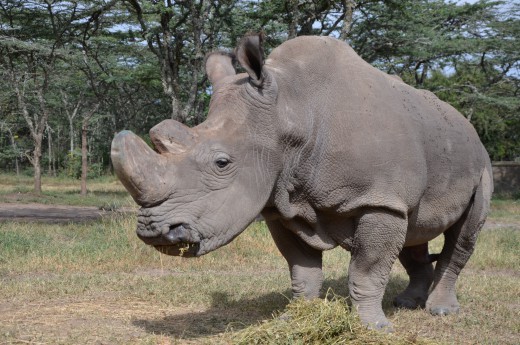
(176,239)
(184,249)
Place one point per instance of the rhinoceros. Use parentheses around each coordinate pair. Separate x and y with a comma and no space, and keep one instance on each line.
(332,152)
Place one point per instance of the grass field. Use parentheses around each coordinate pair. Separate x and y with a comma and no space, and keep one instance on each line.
(97,283)
(104,192)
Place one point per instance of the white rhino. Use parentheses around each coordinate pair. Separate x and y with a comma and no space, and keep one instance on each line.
(332,152)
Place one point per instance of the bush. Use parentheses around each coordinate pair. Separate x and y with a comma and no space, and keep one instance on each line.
(72,166)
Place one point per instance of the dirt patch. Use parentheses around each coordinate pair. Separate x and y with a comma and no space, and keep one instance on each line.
(492,224)
(50,213)
(115,319)
(34,212)
(66,320)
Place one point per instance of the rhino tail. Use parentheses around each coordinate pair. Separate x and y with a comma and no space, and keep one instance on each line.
(419,253)
(433,257)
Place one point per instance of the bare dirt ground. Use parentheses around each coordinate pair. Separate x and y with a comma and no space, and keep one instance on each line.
(49,213)
(65,214)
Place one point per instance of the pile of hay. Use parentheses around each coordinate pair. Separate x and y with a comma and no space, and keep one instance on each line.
(318,321)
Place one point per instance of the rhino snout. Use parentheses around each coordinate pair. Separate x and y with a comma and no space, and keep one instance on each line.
(177,240)
(177,233)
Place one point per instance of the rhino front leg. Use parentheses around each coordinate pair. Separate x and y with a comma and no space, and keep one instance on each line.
(304,261)
(379,238)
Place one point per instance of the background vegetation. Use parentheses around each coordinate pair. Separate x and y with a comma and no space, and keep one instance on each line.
(73,73)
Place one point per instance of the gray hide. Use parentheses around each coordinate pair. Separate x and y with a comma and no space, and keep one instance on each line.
(332,152)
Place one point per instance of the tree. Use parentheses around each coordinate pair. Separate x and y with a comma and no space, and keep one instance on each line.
(179,34)
(30,87)
(14,152)
(29,62)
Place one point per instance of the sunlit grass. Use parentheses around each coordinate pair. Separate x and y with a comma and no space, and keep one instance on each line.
(505,210)
(103,192)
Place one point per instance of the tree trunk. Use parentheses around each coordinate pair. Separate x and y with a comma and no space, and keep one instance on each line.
(84,163)
(84,147)
(57,159)
(50,156)
(16,166)
(348,6)
(15,150)
(71,133)
(293,18)
(176,115)
(36,162)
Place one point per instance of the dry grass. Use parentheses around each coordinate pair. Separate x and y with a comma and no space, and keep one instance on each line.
(97,283)
(322,321)
(505,210)
(104,192)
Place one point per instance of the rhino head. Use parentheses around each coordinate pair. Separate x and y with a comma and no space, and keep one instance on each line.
(203,186)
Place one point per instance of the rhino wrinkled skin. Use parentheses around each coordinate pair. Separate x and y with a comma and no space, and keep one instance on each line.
(332,152)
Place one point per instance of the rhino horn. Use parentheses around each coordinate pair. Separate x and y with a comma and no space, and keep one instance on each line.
(171,136)
(142,171)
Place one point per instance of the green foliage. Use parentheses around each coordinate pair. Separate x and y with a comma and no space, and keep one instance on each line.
(72,164)
(8,154)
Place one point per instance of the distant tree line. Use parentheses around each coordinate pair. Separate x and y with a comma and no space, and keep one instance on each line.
(73,73)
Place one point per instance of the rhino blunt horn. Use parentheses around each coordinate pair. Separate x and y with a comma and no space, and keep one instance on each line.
(171,136)
(141,170)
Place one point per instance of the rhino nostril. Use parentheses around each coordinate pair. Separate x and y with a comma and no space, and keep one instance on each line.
(177,233)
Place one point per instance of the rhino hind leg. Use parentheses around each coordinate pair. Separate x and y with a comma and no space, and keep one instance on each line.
(459,243)
(418,265)
(305,262)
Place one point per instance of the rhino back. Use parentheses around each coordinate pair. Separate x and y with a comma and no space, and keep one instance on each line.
(355,137)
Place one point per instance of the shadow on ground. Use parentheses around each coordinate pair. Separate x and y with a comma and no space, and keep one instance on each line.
(240,314)
(217,318)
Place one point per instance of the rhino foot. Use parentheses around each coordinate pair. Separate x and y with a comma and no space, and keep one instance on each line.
(444,310)
(413,297)
(382,325)
(410,301)
(285,317)
(442,306)
(375,319)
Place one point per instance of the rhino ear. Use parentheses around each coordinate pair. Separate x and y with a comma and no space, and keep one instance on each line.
(250,55)
(218,66)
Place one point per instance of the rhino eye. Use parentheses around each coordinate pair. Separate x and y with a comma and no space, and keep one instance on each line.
(222,162)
